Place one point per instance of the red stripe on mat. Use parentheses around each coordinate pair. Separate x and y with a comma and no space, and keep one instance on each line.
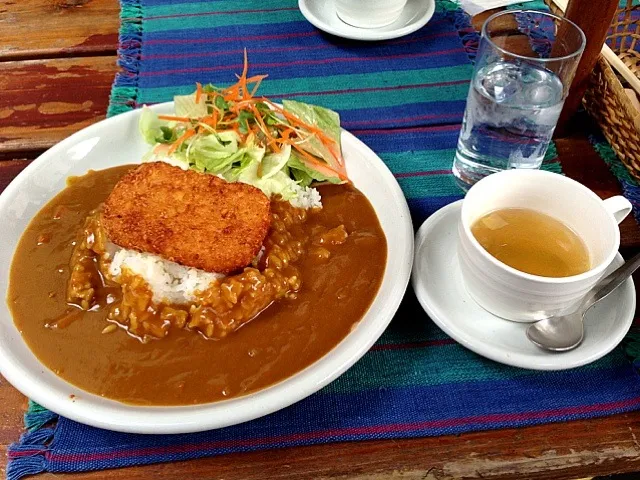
(341,433)
(230,12)
(283,49)
(300,62)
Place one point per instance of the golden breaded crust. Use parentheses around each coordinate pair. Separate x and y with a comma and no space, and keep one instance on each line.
(195,219)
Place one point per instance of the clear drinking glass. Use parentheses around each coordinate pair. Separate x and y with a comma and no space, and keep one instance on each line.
(524,67)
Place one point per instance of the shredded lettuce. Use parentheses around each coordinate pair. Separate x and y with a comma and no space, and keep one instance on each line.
(153,129)
(275,162)
(186,106)
(251,153)
(326,120)
(215,152)
(304,175)
(278,183)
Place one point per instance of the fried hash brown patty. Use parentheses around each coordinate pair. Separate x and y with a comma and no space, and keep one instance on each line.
(195,219)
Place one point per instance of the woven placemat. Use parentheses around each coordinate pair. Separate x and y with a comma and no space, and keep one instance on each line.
(405,99)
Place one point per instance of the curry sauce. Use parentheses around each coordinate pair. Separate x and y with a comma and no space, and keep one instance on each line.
(184,367)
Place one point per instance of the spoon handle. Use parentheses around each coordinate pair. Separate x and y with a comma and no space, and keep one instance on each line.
(614,280)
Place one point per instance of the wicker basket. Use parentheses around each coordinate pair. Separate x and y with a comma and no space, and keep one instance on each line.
(605,99)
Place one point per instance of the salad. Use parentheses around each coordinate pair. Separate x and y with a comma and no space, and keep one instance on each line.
(232,133)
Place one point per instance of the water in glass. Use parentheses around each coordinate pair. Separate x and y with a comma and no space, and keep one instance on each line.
(512,110)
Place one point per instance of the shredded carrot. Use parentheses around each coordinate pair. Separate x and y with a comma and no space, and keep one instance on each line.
(265,129)
(231,93)
(332,150)
(327,141)
(173,118)
(274,144)
(174,146)
(211,120)
(243,78)
(241,97)
(256,80)
(285,135)
(240,90)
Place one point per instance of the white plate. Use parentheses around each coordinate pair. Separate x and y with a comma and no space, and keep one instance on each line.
(439,287)
(322,14)
(116,141)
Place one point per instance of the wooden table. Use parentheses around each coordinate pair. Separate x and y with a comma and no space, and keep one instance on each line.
(57,62)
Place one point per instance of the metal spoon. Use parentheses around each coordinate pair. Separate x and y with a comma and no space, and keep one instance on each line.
(564,332)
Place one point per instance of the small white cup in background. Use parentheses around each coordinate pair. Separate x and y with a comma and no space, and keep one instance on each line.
(369,13)
(515,295)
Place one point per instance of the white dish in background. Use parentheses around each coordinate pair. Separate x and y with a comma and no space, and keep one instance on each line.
(439,287)
(116,141)
(369,13)
(322,14)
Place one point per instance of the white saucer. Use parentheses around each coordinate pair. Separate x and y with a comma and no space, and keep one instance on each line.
(438,284)
(322,14)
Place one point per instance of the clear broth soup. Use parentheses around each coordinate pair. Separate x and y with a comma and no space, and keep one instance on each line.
(532,242)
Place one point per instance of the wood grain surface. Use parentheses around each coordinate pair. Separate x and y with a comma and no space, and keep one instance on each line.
(57,61)
(44,101)
(12,407)
(57,28)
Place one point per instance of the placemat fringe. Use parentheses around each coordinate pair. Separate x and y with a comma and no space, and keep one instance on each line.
(551,163)
(125,86)
(37,416)
(540,41)
(630,187)
(468,35)
(29,456)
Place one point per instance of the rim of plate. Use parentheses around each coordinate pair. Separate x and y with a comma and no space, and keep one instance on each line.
(469,341)
(93,410)
(363,34)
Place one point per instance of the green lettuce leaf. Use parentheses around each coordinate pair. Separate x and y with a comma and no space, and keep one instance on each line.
(252,154)
(278,183)
(305,175)
(186,106)
(326,120)
(275,162)
(215,152)
(154,130)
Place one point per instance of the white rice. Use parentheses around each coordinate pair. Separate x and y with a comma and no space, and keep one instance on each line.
(170,282)
(306,198)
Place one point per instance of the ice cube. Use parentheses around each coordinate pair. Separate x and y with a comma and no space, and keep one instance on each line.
(537,94)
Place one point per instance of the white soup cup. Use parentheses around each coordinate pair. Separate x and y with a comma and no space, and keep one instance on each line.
(369,13)
(522,297)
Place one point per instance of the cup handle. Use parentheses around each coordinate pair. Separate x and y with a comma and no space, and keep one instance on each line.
(618,206)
